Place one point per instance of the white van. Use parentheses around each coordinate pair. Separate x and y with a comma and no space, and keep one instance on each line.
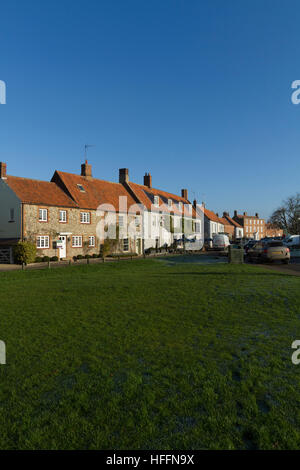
(220,242)
(292,241)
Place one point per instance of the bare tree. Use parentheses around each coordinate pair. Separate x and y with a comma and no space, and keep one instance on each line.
(287,215)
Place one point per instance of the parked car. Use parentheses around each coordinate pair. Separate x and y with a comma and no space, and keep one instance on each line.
(249,245)
(220,242)
(292,241)
(269,251)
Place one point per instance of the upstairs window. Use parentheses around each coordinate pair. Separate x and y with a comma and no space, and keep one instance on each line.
(63,216)
(85,217)
(121,221)
(156,201)
(43,215)
(169,203)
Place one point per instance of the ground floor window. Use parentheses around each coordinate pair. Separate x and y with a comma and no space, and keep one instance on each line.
(42,241)
(125,244)
(76,241)
(92,241)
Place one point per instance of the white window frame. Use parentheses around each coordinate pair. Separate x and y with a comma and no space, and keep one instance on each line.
(42,213)
(85,217)
(77,241)
(92,241)
(125,242)
(63,220)
(121,221)
(42,242)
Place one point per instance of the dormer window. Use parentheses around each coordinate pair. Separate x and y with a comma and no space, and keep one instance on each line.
(169,203)
(81,188)
(156,201)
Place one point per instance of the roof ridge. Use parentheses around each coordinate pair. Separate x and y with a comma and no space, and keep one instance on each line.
(84,178)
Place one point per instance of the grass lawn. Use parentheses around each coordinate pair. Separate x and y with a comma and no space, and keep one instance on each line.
(149,355)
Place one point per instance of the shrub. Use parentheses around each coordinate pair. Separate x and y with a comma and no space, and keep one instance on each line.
(95,255)
(54,258)
(75,258)
(38,259)
(46,259)
(79,257)
(24,252)
(87,256)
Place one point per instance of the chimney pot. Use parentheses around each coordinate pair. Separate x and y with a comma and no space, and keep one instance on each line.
(148,180)
(184,193)
(86,170)
(195,203)
(256,214)
(245,213)
(235,213)
(123,175)
(3,170)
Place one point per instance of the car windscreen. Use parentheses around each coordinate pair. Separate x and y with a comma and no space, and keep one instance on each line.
(273,244)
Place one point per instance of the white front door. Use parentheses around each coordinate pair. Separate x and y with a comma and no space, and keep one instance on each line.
(63,249)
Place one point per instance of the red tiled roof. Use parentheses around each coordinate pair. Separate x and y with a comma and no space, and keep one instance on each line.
(39,192)
(212,216)
(143,193)
(232,221)
(96,191)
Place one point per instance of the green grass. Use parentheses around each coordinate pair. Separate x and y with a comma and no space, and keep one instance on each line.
(146,355)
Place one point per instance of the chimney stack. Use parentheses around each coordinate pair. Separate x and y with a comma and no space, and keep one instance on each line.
(86,170)
(3,170)
(203,204)
(195,203)
(123,175)
(184,193)
(245,213)
(225,214)
(148,180)
(217,214)
(256,215)
(235,213)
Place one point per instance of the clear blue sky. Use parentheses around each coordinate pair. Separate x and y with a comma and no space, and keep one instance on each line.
(196,92)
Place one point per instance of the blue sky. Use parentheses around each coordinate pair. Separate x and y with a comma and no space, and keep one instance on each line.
(196,92)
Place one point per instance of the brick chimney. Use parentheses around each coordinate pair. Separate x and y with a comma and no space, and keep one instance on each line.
(245,213)
(195,203)
(184,193)
(235,213)
(2,170)
(86,170)
(225,214)
(123,175)
(256,214)
(148,180)
(217,214)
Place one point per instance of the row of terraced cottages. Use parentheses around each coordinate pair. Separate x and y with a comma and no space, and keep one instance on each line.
(73,214)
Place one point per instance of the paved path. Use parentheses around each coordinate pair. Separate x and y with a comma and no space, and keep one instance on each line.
(291,268)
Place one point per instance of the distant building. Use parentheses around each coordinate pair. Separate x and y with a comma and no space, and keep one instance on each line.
(273,231)
(253,225)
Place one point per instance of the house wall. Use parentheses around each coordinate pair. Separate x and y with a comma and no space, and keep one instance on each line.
(8,201)
(73,227)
